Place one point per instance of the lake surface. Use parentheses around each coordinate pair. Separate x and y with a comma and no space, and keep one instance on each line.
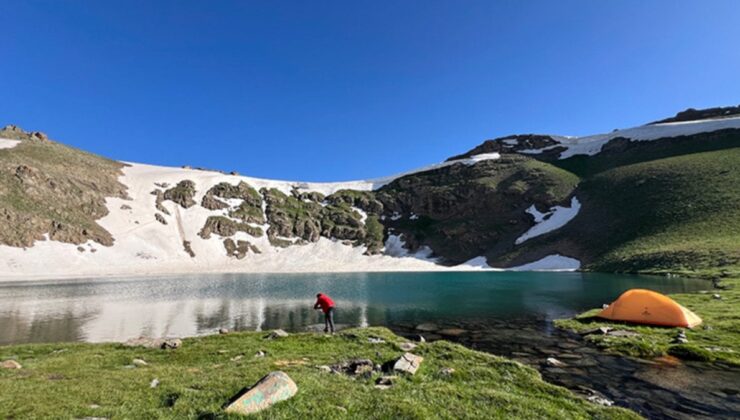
(504,313)
(118,309)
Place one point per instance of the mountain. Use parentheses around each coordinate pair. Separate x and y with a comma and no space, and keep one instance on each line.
(663,196)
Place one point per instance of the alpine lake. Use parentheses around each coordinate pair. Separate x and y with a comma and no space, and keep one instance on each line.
(504,313)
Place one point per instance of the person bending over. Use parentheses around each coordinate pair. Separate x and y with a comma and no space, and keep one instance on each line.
(325,303)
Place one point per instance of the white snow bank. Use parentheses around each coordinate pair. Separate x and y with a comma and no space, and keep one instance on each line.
(556,218)
(8,143)
(591,145)
(554,262)
(395,246)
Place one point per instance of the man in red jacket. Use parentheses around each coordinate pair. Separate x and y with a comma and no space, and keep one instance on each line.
(325,303)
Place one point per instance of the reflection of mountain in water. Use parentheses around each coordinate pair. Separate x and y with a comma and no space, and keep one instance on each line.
(114,310)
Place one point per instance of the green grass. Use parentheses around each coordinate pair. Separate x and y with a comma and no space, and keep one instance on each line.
(717,339)
(63,380)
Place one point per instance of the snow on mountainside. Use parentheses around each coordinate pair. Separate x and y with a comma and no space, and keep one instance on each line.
(457,215)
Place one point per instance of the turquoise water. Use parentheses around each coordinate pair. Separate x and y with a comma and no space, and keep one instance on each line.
(118,309)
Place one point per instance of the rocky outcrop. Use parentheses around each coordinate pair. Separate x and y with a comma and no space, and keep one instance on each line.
(514,144)
(250,208)
(225,227)
(188,248)
(158,201)
(50,189)
(182,194)
(240,248)
(692,114)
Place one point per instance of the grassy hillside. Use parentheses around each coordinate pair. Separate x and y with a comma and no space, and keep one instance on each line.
(46,187)
(677,213)
(67,380)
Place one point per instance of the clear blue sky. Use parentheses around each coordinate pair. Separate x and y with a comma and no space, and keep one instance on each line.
(323,90)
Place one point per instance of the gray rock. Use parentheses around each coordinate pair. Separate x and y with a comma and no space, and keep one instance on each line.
(274,387)
(407,346)
(139,362)
(259,353)
(154,383)
(354,367)
(325,368)
(375,340)
(154,343)
(171,344)
(716,296)
(448,371)
(408,363)
(598,330)
(223,330)
(276,334)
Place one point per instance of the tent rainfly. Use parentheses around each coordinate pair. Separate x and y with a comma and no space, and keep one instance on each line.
(652,308)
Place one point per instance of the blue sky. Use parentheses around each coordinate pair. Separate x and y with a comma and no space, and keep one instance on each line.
(325,90)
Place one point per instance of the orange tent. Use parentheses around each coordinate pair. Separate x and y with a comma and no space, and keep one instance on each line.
(647,307)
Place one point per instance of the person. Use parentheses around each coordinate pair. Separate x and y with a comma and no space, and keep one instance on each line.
(325,303)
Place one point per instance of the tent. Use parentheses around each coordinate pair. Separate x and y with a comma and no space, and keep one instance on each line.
(647,307)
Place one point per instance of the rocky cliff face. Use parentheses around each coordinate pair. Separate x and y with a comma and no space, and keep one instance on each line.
(503,201)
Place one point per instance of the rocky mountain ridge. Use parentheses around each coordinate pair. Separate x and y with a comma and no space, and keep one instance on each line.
(484,205)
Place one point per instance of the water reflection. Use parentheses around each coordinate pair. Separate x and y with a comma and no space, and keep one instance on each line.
(118,309)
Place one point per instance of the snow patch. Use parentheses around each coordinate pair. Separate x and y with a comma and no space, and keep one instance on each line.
(556,218)
(8,143)
(591,145)
(555,262)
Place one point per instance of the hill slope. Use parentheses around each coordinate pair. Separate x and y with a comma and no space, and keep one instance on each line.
(660,196)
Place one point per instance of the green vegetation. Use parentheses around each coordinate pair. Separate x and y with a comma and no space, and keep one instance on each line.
(716,339)
(225,227)
(465,211)
(72,380)
(46,187)
(182,193)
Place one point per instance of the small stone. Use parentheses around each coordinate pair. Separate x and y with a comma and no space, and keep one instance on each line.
(93,406)
(375,340)
(171,344)
(448,371)
(260,353)
(407,346)
(716,296)
(139,362)
(680,340)
(237,357)
(276,334)
(551,361)
(420,338)
(10,364)
(274,387)
(223,330)
(154,383)
(408,363)
(385,382)
(325,369)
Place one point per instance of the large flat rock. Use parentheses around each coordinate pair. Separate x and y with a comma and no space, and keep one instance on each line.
(274,387)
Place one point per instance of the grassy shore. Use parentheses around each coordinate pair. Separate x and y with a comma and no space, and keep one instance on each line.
(75,380)
(717,339)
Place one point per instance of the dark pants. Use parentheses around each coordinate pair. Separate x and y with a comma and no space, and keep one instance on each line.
(329,320)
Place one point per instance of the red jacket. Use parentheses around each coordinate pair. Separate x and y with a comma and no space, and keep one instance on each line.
(324,302)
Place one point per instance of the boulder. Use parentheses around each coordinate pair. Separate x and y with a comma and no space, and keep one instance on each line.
(154,383)
(385,382)
(223,330)
(274,387)
(716,296)
(171,344)
(10,364)
(276,334)
(408,363)
(139,362)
